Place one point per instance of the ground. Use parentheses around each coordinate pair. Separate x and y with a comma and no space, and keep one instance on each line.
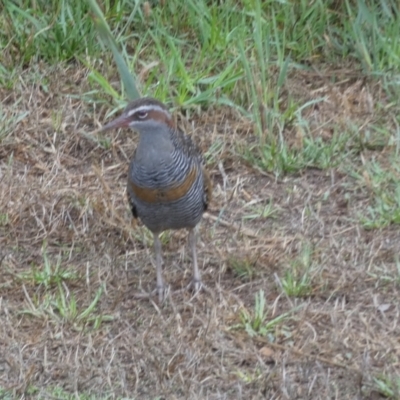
(300,298)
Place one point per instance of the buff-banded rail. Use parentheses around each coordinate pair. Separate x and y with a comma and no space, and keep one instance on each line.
(168,185)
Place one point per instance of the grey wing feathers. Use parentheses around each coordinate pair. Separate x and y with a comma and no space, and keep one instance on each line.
(191,150)
(188,146)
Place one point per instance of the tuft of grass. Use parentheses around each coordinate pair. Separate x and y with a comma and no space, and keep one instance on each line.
(249,377)
(256,323)
(297,281)
(244,269)
(9,120)
(260,212)
(4,219)
(382,182)
(387,386)
(62,307)
(312,153)
(49,274)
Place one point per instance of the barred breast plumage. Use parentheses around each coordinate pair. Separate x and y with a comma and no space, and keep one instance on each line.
(168,185)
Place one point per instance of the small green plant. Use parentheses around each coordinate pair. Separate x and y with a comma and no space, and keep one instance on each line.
(255,323)
(244,269)
(384,210)
(284,159)
(3,219)
(250,377)
(387,386)
(257,211)
(297,279)
(9,122)
(62,307)
(383,183)
(66,305)
(49,274)
(296,285)
(6,394)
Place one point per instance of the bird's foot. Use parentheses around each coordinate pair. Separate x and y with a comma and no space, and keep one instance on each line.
(197,285)
(162,293)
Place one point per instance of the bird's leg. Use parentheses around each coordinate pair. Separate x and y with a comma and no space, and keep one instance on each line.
(196,272)
(159,264)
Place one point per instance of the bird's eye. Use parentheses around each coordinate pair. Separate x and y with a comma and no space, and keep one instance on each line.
(142,114)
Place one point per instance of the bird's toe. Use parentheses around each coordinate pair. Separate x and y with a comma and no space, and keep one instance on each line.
(162,293)
(197,285)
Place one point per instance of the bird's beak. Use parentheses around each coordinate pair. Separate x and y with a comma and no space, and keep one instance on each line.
(120,122)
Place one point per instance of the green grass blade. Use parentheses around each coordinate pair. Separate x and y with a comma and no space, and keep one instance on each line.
(107,37)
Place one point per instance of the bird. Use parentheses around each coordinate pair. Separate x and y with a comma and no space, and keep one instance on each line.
(168,185)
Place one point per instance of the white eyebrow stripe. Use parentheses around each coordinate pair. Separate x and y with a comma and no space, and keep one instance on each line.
(147,108)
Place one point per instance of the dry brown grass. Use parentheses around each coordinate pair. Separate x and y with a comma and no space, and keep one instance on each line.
(58,187)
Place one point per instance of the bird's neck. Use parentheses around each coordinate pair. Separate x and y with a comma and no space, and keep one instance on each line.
(154,148)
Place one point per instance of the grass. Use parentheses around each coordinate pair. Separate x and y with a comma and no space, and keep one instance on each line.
(52,392)
(255,322)
(297,281)
(389,387)
(49,274)
(244,269)
(62,308)
(295,106)
(381,179)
